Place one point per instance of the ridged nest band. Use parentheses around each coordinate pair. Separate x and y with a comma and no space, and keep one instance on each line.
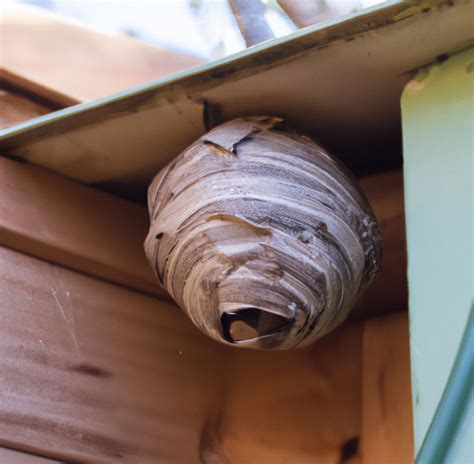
(261,236)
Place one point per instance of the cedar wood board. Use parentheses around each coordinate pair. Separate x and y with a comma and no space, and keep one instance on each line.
(79,227)
(94,372)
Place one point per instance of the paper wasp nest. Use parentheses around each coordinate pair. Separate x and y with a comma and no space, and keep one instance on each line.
(261,236)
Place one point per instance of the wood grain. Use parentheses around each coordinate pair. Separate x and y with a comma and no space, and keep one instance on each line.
(387,424)
(83,64)
(92,372)
(73,225)
(300,406)
(9,456)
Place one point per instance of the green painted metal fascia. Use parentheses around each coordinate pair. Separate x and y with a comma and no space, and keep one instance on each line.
(454,404)
(437,118)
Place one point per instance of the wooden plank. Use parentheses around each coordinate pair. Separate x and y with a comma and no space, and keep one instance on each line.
(56,98)
(16,107)
(9,456)
(92,372)
(58,220)
(389,291)
(301,406)
(83,64)
(387,428)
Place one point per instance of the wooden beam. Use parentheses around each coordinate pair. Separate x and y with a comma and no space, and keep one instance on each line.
(301,406)
(387,427)
(389,291)
(92,372)
(59,220)
(83,64)
(54,99)
(15,107)
(67,223)
(9,456)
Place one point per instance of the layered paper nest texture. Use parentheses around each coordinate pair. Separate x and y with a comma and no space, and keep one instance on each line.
(261,236)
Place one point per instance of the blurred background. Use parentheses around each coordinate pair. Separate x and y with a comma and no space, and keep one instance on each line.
(57,53)
(205,29)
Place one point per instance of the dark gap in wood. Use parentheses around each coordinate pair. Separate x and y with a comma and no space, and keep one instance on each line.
(29,95)
(160,297)
(349,450)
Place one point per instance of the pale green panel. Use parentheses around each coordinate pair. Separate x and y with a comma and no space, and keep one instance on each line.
(462,448)
(437,114)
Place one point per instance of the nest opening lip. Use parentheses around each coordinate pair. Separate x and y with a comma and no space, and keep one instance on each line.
(251,324)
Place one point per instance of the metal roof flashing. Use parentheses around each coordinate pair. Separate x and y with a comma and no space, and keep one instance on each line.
(340,81)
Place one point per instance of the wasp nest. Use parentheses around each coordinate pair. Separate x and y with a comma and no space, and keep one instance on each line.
(261,236)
